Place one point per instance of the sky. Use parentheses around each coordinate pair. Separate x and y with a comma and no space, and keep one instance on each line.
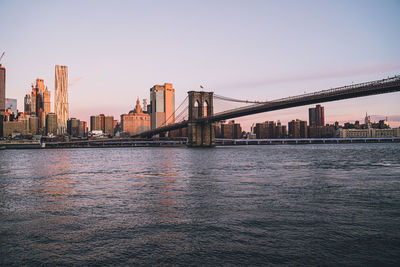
(256,50)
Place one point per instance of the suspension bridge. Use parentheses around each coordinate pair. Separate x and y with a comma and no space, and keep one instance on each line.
(199,117)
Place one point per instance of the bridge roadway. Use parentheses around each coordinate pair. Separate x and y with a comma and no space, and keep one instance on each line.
(383,86)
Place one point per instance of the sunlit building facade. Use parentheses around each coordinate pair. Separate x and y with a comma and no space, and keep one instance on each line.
(162,105)
(61,97)
(136,121)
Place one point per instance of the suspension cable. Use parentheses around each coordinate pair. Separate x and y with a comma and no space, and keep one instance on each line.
(238,100)
(173,113)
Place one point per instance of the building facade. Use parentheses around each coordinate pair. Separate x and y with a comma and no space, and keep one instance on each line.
(73,126)
(27,104)
(136,121)
(369,133)
(38,103)
(83,129)
(231,130)
(269,130)
(2,90)
(102,123)
(51,124)
(33,125)
(61,97)
(162,105)
(316,116)
(97,123)
(297,129)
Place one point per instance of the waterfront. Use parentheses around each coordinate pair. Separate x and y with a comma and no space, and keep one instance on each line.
(255,205)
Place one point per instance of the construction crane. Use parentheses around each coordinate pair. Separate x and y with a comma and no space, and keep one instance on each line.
(2,55)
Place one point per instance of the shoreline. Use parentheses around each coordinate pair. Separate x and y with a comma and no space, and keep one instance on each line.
(110,143)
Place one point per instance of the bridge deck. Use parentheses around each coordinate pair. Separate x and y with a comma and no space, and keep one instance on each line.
(383,86)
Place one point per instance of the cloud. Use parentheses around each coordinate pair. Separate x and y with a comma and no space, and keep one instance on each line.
(320,75)
(77,80)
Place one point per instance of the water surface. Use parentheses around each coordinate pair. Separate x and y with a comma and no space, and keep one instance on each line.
(254,205)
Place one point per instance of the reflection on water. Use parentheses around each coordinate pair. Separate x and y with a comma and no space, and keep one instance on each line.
(257,205)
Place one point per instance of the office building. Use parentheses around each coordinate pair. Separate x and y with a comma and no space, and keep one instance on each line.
(316,116)
(102,123)
(83,130)
(162,105)
(297,129)
(97,123)
(231,130)
(38,102)
(10,128)
(33,124)
(40,85)
(11,103)
(369,133)
(27,104)
(51,124)
(109,125)
(136,121)
(61,97)
(46,101)
(269,130)
(73,126)
(2,90)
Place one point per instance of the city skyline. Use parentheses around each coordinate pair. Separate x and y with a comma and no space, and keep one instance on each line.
(256,52)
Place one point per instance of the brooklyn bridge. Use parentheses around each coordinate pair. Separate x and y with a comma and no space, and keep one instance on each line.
(199,117)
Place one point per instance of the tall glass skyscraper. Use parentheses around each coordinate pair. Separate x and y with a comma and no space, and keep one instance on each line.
(61,97)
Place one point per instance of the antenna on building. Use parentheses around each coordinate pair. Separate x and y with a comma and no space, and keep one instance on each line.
(2,55)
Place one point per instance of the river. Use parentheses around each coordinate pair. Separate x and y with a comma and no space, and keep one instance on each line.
(240,205)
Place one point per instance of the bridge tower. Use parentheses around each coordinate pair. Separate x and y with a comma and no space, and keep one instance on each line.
(200,134)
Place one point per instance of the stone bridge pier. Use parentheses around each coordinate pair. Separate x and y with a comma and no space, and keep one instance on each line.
(200,134)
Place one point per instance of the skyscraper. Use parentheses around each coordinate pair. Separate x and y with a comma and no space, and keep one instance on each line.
(27,104)
(46,101)
(162,103)
(40,85)
(2,90)
(316,116)
(61,97)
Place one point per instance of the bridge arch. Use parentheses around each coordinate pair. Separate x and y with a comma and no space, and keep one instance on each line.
(205,108)
(197,110)
(200,106)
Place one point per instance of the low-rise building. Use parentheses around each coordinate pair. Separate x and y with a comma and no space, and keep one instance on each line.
(231,130)
(369,133)
(51,124)
(136,121)
(102,123)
